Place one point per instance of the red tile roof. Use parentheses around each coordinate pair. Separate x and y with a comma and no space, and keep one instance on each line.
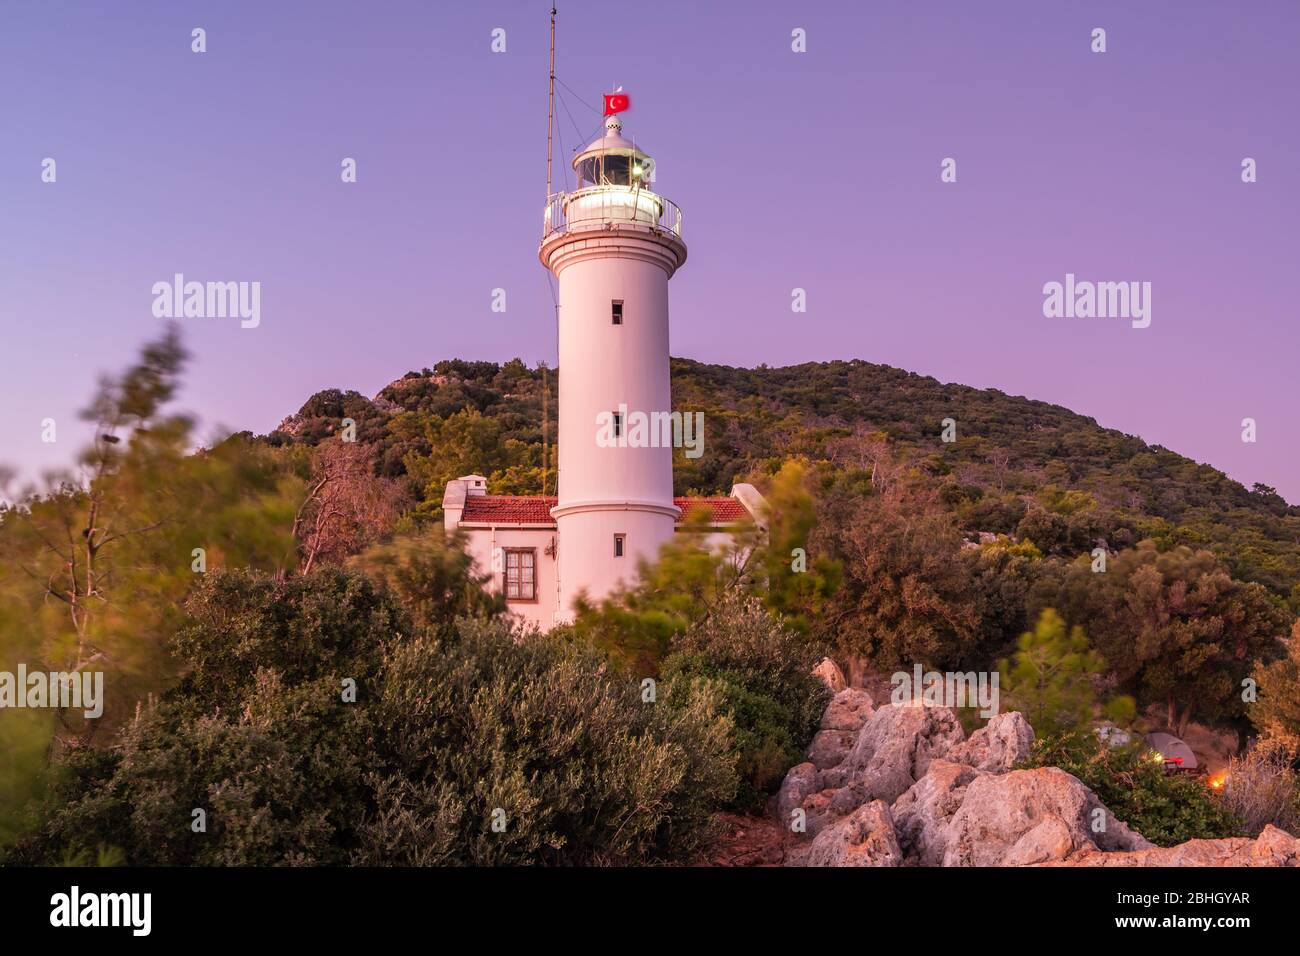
(508,509)
(723,510)
(535,509)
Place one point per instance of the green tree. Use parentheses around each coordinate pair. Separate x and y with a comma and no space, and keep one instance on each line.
(908,594)
(94,568)
(799,581)
(1276,710)
(1174,626)
(100,562)
(469,442)
(1051,676)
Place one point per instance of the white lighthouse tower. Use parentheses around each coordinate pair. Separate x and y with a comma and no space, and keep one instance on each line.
(613,244)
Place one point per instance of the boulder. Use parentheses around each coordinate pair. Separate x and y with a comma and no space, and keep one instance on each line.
(1027,817)
(863,838)
(817,812)
(830,675)
(801,781)
(848,710)
(922,814)
(825,807)
(997,746)
(1273,847)
(958,802)
(835,777)
(830,747)
(895,747)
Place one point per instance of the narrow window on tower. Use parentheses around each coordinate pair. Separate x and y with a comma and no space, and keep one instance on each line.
(618,545)
(616,311)
(618,424)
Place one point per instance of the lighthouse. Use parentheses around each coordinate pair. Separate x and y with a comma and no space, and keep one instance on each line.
(613,244)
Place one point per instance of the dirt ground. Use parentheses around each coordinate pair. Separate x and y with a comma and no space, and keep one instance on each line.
(747,841)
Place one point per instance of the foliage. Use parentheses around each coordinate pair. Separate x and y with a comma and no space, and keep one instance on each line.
(1167,809)
(1051,677)
(432,576)
(1174,626)
(445,729)
(94,567)
(469,442)
(797,583)
(1276,710)
(582,770)
(908,593)
(764,673)
(1261,788)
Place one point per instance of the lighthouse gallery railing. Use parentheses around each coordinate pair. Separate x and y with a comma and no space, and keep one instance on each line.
(598,206)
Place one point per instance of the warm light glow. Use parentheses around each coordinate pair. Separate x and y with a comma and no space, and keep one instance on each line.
(1216,782)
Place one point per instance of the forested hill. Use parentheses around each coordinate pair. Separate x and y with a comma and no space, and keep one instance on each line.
(1017,466)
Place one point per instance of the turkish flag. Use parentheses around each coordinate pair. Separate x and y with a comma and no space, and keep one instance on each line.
(616,103)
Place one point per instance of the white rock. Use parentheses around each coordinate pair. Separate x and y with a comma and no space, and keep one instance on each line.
(997,746)
(863,838)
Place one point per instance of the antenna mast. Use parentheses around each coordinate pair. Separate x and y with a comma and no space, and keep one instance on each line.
(550,107)
(550,127)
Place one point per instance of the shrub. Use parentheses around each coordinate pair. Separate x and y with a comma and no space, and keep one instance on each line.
(763,671)
(1261,788)
(582,769)
(443,731)
(432,576)
(1166,809)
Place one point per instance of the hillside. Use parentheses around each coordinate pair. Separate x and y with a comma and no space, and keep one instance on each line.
(1019,466)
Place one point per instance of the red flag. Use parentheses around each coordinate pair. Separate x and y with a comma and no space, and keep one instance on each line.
(616,103)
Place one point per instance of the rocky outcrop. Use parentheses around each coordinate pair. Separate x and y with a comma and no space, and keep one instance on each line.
(862,755)
(895,747)
(801,782)
(830,675)
(1273,847)
(922,814)
(902,786)
(863,838)
(830,747)
(848,710)
(997,746)
(1031,816)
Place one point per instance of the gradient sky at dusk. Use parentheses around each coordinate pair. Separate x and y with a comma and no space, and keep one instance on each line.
(818,170)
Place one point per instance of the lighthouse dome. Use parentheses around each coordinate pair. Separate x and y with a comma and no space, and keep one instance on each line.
(612,160)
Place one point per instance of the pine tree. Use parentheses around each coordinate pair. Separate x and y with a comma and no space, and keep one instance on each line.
(1050,677)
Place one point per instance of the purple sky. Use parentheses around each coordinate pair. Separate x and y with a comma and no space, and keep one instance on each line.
(817,170)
